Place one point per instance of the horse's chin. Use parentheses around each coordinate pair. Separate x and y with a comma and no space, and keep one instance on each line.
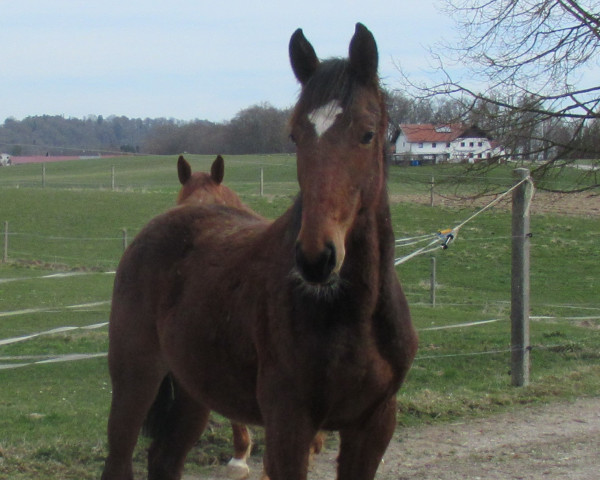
(327,290)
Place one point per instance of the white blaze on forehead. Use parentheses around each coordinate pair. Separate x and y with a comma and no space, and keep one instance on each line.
(324,117)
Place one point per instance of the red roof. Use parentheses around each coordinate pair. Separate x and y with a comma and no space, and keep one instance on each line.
(427,132)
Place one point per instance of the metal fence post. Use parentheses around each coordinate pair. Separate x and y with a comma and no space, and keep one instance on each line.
(5,253)
(431,194)
(432,281)
(262,181)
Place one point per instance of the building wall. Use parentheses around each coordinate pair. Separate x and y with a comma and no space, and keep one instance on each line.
(470,148)
(457,150)
(425,148)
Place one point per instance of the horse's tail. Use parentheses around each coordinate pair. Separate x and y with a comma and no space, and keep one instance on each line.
(158,415)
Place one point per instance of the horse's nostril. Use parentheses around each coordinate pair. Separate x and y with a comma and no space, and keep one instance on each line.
(318,269)
(330,254)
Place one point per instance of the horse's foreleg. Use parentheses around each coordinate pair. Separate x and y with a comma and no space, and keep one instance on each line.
(288,439)
(362,447)
(317,444)
(186,420)
(237,468)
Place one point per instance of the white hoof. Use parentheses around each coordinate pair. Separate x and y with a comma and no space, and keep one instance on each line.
(237,469)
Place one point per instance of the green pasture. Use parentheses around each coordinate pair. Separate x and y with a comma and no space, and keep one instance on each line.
(53,415)
(153,173)
(243,172)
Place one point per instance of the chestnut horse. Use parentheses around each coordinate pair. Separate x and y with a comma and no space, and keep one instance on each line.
(205,188)
(208,188)
(298,324)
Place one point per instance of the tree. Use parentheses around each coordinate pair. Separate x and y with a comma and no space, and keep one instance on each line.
(533,63)
(402,109)
(259,129)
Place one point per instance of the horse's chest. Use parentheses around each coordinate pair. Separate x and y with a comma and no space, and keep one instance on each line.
(344,374)
(359,369)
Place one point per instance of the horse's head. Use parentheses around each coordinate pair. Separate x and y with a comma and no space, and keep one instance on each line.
(339,126)
(205,188)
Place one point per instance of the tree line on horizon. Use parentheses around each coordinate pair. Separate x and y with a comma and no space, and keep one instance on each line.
(257,129)
(262,129)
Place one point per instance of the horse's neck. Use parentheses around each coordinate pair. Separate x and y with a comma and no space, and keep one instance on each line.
(375,231)
(386,237)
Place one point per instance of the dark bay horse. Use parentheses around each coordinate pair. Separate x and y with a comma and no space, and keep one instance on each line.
(298,324)
(208,188)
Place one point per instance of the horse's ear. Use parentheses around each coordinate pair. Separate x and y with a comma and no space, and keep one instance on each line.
(302,57)
(183,170)
(217,170)
(364,58)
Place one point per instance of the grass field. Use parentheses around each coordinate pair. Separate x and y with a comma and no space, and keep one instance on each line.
(53,415)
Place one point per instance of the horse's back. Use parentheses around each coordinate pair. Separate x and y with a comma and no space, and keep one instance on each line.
(157,266)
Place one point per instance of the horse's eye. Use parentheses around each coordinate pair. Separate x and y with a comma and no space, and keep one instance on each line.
(367,137)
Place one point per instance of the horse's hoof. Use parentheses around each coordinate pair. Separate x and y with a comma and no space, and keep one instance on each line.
(237,469)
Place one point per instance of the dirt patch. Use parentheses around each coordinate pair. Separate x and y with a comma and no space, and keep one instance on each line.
(586,204)
(557,441)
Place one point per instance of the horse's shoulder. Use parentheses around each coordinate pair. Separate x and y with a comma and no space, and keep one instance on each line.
(394,332)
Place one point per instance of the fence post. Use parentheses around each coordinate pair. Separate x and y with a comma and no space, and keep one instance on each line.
(112,178)
(262,181)
(432,288)
(519,311)
(124,239)
(5,253)
(431,191)
(43,175)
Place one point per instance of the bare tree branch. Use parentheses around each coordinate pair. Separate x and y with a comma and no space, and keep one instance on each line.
(527,65)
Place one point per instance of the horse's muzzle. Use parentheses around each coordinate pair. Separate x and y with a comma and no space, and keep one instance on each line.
(316,270)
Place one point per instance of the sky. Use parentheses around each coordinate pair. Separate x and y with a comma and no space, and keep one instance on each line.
(189,59)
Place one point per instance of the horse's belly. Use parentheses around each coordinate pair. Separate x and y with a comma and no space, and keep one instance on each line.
(214,364)
(231,401)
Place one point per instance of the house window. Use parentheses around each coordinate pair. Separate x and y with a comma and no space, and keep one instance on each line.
(471,144)
(480,144)
(420,145)
(448,145)
(433,145)
(462,144)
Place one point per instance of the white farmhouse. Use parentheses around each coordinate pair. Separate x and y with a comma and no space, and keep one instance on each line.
(454,143)
(5,159)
